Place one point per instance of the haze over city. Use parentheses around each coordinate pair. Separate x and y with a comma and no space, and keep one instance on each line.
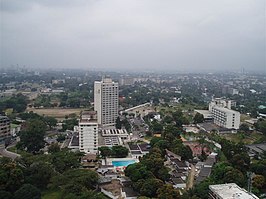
(132,99)
(149,35)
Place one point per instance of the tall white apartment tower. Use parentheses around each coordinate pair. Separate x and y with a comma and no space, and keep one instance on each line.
(106,101)
(88,132)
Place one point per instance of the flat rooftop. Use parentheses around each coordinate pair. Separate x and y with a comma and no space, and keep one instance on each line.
(88,121)
(231,191)
(114,132)
(259,148)
(225,110)
(111,141)
(205,113)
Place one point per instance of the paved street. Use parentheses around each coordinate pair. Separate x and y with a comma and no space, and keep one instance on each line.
(8,154)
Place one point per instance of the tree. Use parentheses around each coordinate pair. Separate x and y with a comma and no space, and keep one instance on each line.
(201,190)
(5,195)
(118,123)
(198,118)
(234,175)
(156,127)
(69,124)
(82,177)
(119,151)
(261,126)
(137,172)
(241,161)
(65,160)
(39,170)
(54,148)
(105,151)
(18,103)
(12,176)
(32,138)
(27,191)
(150,187)
(244,127)
(258,181)
(185,152)
(167,192)
(61,138)
(50,121)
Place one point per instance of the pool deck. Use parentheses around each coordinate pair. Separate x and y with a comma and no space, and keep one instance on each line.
(110,160)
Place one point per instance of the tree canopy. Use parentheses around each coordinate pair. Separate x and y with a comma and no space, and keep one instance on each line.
(32,138)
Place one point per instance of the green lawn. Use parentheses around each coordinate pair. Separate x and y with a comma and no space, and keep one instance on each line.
(246,139)
(56,194)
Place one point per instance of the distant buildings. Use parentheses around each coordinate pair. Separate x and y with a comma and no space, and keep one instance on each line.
(106,101)
(4,129)
(88,132)
(126,81)
(230,190)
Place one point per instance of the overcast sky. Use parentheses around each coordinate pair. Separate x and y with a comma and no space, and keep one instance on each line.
(134,34)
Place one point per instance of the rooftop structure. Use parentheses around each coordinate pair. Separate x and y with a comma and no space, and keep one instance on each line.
(114,132)
(229,191)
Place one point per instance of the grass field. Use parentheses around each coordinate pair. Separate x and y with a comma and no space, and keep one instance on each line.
(246,139)
(58,113)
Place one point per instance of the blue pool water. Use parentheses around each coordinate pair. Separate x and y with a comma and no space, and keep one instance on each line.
(123,163)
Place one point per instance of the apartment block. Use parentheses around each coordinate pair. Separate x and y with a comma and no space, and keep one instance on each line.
(106,101)
(88,132)
(223,115)
(4,128)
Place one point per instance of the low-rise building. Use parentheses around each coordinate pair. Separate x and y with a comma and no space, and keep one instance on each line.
(230,190)
(256,149)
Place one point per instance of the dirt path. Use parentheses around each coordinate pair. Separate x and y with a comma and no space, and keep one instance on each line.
(191,175)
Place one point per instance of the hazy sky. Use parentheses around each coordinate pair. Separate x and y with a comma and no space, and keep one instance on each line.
(134,34)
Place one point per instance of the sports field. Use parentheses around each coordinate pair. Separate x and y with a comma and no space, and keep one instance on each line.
(58,113)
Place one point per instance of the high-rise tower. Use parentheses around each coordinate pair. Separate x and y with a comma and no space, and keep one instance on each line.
(106,101)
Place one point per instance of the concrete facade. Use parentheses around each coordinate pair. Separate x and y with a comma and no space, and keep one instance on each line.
(223,115)
(4,128)
(106,101)
(88,132)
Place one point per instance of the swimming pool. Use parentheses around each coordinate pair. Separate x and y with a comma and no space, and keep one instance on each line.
(123,163)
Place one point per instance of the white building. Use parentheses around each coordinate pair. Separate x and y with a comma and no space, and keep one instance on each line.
(106,101)
(88,132)
(223,115)
(230,190)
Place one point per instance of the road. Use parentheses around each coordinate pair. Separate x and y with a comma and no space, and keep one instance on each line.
(138,128)
(191,175)
(8,154)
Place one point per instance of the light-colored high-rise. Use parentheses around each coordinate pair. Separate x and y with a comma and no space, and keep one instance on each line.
(106,101)
(223,115)
(4,129)
(88,132)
